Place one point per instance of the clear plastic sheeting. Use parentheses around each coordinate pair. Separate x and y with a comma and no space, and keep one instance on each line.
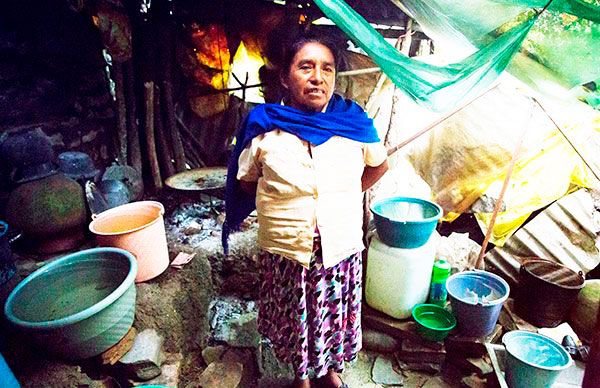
(437,87)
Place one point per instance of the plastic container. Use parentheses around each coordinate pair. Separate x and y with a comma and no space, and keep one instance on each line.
(533,360)
(77,306)
(405,222)
(433,322)
(139,228)
(437,292)
(546,292)
(7,378)
(397,279)
(476,298)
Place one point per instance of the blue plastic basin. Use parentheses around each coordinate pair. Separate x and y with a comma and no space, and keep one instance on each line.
(533,360)
(405,222)
(476,298)
(77,306)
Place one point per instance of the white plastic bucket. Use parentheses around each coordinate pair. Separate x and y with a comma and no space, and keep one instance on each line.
(398,278)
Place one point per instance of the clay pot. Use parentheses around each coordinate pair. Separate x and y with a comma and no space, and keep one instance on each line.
(50,211)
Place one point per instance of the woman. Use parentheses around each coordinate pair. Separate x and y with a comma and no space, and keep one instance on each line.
(308,161)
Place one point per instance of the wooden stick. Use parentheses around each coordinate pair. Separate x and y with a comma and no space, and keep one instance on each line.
(164,151)
(438,121)
(117,71)
(150,143)
(190,135)
(178,152)
(133,136)
(498,204)
(368,70)
(566,138)
(403,44)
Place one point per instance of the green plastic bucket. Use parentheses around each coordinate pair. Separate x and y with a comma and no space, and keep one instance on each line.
(77,306)
(533,360)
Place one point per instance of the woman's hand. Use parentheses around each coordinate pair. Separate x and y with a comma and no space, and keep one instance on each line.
(371,175)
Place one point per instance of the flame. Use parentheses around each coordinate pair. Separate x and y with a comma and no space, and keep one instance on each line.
(210,50)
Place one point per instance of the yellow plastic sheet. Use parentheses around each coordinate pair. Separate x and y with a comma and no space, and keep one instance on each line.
(537,181)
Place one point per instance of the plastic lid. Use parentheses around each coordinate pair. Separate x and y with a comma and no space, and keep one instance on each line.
(441,271)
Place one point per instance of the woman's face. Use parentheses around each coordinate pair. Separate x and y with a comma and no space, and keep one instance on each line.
(310,80)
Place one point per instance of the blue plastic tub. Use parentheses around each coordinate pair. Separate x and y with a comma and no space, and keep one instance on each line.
(533,360)
(77,306)
(405,222)
(476,298)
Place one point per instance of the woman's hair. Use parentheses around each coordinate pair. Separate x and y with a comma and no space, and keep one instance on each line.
(281,53)
(290,51)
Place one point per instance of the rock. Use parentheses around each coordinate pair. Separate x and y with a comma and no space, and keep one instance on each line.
(143,361)
(384,372)
(273,372)
(478,365)
(379,342)
(170,371)
(437,382)
(473,381)
(116,352)
(193,228)
(243,331)
(425,367)
(246,357)
(412,352)
(221,374)
(211,354)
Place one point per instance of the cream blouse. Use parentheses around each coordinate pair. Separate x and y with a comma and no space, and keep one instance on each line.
(302,187)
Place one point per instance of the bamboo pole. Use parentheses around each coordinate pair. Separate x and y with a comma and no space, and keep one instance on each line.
(515,156)
(566,137)
(391,150)
(149,132)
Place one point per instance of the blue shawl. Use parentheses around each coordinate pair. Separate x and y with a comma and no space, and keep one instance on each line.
(342,117)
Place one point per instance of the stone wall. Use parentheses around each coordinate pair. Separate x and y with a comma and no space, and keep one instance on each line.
(52,76)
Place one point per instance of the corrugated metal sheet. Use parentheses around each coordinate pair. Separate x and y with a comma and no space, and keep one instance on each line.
(567,232)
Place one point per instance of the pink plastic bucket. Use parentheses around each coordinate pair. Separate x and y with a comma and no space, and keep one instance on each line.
(139,228)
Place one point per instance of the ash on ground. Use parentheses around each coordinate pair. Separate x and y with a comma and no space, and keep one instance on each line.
(197,226)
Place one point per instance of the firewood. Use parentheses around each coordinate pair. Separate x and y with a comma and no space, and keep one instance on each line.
(134,154)
(117,72)
(149,132)
(164,151)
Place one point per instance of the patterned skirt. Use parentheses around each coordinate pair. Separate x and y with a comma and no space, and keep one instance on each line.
(311,316)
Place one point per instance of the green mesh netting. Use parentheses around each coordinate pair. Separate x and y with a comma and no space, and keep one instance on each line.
(557,48)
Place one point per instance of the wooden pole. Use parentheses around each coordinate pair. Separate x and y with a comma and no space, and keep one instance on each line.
(498,204)
(117,71)
(149,132)
(566,138)
(166,44)
(134,155)
(164,151)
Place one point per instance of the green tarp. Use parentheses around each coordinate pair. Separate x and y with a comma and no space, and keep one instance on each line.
(495,30)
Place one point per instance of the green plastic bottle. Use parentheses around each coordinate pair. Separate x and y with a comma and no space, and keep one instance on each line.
(437,292)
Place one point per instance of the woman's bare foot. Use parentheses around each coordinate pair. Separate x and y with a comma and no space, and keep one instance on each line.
(330,380)
(301,383)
